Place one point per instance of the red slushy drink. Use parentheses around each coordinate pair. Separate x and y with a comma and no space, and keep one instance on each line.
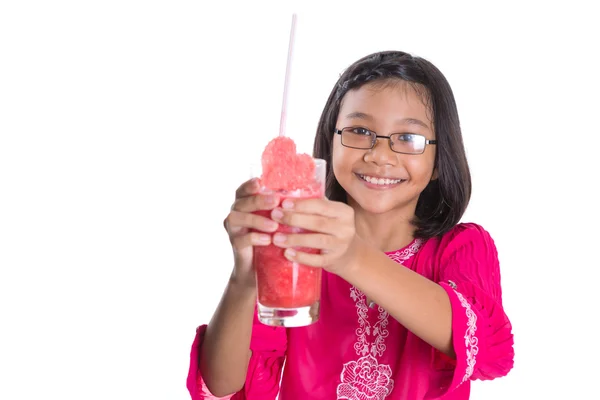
(288,292)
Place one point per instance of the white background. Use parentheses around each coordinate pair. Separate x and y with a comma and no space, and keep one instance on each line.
(125,127)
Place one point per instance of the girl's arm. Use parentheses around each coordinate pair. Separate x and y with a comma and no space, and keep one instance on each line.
(236,356)
(460,313)
(420,305)
(225,351)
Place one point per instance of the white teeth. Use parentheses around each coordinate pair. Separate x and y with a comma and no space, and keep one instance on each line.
(380,181)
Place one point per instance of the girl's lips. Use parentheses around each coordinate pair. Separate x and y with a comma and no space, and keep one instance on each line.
(379,182)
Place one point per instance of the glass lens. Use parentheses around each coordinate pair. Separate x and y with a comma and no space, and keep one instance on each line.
(408,143)
(359,138)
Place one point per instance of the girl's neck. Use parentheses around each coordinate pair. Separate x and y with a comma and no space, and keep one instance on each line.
(388,231)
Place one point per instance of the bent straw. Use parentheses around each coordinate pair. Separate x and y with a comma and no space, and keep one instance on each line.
(286,84)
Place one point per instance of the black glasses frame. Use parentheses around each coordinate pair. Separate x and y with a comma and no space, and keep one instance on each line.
(375,136)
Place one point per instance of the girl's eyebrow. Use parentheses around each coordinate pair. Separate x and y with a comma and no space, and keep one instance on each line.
(359,115)
(413,121)
(409,121)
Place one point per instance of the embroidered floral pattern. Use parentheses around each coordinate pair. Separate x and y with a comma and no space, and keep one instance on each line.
(364,327)
(366,379)
(402,255)
(471,340)
(380,333)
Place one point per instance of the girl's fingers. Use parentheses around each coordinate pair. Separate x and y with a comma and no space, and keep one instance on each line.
(310,222)
(248,188)
(255,203)
(318,206)
(250,239)
(310,259)
(236,221)
(307,240)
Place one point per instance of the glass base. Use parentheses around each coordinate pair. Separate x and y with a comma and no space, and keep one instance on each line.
(288,317)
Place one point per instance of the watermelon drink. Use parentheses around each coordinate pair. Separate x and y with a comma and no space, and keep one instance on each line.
(288,292)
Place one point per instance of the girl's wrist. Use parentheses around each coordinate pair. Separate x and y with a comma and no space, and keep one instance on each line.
(243,282)
(352,263)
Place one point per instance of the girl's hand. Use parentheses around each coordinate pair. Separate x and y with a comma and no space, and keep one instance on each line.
(241,221)
(332,227)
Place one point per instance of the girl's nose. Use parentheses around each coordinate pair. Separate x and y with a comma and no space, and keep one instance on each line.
(381,153)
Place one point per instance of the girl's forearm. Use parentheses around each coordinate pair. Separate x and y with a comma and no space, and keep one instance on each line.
(420,305)
(225,351)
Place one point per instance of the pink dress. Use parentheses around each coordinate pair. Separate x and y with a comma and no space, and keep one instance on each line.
(360,353)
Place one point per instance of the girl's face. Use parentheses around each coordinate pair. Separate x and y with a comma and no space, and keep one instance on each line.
(380,180)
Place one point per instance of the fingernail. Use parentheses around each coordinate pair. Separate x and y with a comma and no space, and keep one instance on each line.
(264,238)
(271,225)
(270,199)
(277,214)
(290,253)
(287,203)
(279,238)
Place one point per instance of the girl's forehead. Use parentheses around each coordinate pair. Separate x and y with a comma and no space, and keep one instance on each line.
(395,88)
(387,99)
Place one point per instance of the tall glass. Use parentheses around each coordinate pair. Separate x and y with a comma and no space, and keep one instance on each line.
(288,292)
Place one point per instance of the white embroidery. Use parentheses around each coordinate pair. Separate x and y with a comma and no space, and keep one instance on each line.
(366,379)
(470,338)
(364,330)
(402,255)
(364,327)
(380,333)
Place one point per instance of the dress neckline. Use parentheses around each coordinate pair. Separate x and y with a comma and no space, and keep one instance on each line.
(414,244)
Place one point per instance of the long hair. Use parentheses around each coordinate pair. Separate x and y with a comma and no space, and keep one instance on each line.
(443,202)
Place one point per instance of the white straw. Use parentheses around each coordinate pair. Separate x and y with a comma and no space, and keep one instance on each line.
(286,84)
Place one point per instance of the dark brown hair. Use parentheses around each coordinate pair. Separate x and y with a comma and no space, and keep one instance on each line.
(443,202)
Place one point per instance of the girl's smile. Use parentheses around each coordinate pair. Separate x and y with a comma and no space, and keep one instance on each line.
(379,182)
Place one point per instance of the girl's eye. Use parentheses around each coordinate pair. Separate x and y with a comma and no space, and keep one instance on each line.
(361,131)
(406,137)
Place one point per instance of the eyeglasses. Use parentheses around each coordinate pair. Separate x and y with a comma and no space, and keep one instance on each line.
(357,137)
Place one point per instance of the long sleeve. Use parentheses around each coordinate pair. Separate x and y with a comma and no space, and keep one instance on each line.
(268,345)
(481,331)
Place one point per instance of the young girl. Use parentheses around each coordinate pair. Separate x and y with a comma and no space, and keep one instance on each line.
(411,304)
